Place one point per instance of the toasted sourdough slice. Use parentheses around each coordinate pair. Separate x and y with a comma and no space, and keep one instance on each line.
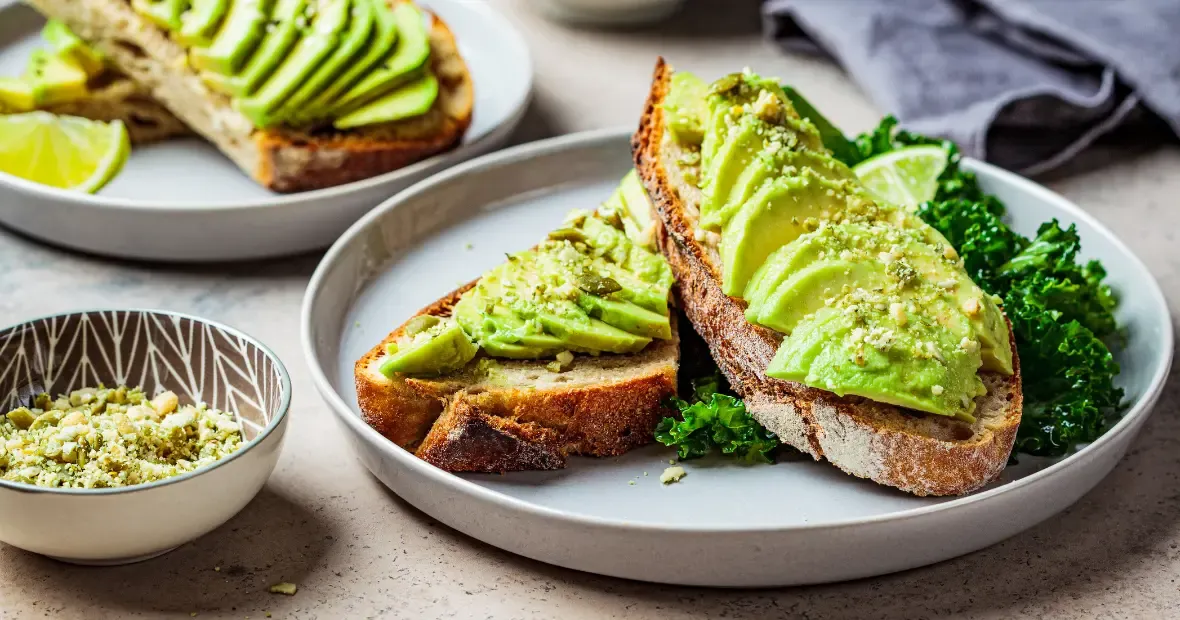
(284,160)
(921,454)
(499,415)
(123,100)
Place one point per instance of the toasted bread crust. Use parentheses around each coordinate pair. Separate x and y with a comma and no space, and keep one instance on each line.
(461,422)
(920,454)
(284,160)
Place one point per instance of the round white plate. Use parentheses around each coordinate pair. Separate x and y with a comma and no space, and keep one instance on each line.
(791,523)
(182,200)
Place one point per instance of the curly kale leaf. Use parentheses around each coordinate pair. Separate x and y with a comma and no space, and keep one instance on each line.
(1047,269)
(1069,390)
(716,421)
(976,230)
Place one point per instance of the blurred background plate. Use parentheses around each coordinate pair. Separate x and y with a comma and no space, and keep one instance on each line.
(182,201)
(723,525)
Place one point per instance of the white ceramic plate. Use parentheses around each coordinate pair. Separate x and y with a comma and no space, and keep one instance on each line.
(724,525)
(183,201)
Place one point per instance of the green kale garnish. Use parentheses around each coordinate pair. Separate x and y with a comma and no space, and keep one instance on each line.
(715,420)
(1059,309)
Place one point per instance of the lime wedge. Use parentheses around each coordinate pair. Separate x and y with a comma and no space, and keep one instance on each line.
(62,151)
(906,177)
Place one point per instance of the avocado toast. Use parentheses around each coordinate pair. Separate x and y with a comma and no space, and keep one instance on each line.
(69,78)
(717,187)
(300,94)
(568,348)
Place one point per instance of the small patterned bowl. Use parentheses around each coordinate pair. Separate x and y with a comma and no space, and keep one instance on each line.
(199,360)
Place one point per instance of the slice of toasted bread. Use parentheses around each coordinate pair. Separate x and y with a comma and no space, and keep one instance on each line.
(921,454)
(511,415)
(119,98)
(284,160)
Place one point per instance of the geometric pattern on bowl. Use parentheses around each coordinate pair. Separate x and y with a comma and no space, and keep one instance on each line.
(156,351)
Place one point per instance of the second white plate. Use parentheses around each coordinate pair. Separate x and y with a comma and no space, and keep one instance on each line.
(181,200)
(725,525)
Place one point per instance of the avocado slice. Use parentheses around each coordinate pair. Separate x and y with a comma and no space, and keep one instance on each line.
(385,36)
(441,348)
(309,51)
(739,178)
(241,30)
(733,156)
(590,272)
(725,95)
(16,95)
(828,352)
(571,324)
(54,79)
(499,310)
(68,45)
(616,206)
(498,329)
(407,101)
(199,23)
(685,108)
(281,34)
(351,46)
(805,291)
(804,275)
(774,216)
(616,247)
(403,64)
(626,316)
(779,266)
(164,13)
(558,314)
(638,205)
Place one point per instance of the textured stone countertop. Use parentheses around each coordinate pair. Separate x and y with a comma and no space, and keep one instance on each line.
(357,551)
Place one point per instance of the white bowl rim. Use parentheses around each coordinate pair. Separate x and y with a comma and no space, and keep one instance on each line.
(531,150)
(282,200)
(276,419)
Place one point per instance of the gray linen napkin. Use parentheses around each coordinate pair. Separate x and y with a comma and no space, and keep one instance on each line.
(1027,84)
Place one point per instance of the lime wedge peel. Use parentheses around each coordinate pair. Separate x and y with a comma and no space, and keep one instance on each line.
(67,152)
(906,177)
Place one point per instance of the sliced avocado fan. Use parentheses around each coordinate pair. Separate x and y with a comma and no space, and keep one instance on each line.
(380,45)
(588,288)
(242,28)
(871,300)
(320,39)
(403,64)
(302,63)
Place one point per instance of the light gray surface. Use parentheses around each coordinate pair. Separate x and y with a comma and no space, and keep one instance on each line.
(602,515)
(356,551)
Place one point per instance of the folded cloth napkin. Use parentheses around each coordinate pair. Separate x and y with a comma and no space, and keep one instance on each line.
(1027,84)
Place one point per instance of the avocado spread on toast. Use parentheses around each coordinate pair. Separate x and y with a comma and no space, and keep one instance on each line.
(871,300)
(593,286)
(306,63)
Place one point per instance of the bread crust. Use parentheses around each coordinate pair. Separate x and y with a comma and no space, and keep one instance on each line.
(281,159)
(469,422)
(919,454)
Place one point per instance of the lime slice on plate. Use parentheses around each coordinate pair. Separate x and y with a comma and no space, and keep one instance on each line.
(62,151)
(906,177)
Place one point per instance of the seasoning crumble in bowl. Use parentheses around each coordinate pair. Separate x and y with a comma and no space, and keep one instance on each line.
(131,432)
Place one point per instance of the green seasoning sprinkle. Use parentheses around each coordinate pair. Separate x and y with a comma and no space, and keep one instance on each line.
(284,588)
(111,437)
